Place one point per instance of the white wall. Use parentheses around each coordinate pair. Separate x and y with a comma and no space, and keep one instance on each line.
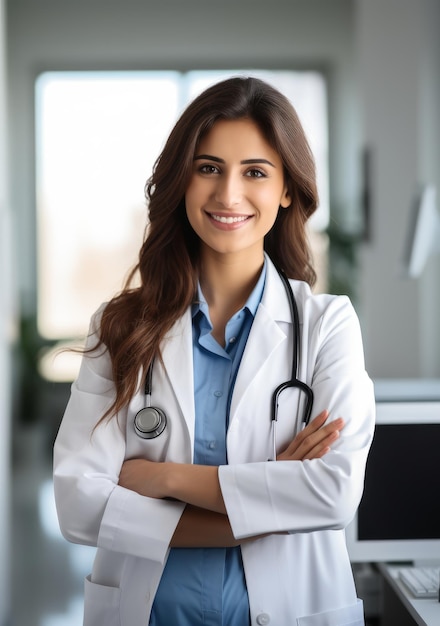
(5,323)
(399,77)
(430,167)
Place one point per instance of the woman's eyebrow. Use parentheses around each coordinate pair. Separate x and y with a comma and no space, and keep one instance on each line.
(255,161)
(210,157)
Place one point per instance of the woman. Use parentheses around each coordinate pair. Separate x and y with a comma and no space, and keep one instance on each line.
(193,522)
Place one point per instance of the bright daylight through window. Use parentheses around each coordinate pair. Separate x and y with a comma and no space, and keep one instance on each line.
(98,135)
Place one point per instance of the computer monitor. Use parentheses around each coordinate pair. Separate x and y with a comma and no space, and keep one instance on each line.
(398,519)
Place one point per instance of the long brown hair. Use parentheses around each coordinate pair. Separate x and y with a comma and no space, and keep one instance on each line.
(135,322)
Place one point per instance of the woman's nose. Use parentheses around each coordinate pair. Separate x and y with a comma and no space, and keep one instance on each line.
(229,191)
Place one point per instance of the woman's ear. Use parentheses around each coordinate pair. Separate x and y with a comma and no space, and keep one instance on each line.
(286,200)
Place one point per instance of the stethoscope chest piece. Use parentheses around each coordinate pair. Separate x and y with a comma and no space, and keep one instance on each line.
(149,422)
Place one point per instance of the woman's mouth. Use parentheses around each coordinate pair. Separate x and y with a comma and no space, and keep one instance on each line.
(230,219)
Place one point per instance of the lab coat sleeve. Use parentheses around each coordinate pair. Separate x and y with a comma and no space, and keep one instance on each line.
(92,508)
(318,494)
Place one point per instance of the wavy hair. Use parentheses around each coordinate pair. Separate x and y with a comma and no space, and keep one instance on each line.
(135,322)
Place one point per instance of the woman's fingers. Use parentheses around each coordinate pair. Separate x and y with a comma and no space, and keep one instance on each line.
(315,440)
(144,477)
(321,448)
(315,426)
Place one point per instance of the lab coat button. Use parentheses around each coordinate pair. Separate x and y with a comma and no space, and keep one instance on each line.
(263,619)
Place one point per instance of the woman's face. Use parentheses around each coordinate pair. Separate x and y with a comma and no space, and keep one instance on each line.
(236,188)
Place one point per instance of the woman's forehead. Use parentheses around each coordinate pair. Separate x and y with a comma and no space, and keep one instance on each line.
(241,139)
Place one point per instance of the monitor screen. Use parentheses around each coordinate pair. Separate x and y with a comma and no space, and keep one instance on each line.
(399,515)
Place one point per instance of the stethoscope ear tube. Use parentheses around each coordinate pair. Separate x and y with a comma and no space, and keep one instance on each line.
(294,381)
(298,384)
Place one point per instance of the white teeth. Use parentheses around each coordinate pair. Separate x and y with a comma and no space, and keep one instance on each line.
(229,220)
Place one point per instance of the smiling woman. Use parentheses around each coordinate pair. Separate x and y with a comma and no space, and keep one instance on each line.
(193,524)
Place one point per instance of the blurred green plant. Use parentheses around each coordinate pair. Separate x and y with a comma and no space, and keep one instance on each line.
(343,268)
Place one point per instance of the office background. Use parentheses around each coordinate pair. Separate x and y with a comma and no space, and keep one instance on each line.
(381,60)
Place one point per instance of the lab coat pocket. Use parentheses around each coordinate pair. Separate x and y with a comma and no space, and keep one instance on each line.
(101,604)
(352,615)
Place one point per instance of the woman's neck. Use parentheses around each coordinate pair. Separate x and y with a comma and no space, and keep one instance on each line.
(226,285)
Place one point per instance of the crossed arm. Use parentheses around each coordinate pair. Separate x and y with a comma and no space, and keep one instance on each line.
(204,522)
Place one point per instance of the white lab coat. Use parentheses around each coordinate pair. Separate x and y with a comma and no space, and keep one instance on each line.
(301,578)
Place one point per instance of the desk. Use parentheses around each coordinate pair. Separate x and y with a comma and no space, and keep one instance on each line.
(400,607)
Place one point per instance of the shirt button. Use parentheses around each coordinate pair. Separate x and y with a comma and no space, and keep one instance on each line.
(218,394)
(212,445)
(233,340)
(263,619)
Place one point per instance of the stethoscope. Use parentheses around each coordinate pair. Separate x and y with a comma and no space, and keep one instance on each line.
(294,380)
(151,421)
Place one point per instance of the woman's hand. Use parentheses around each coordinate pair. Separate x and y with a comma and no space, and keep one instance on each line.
(147,478)
(314,441)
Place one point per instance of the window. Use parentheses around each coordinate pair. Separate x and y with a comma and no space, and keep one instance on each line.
(98,135)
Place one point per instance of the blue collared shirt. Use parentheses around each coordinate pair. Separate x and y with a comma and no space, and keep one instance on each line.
(206,586)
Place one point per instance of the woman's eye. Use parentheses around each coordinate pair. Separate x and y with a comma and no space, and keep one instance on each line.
(208,169)
(254,173)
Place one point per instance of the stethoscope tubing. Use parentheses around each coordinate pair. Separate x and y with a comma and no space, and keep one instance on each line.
(296,359)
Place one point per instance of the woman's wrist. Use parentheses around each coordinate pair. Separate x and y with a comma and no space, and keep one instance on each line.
(194,484)
(170,480)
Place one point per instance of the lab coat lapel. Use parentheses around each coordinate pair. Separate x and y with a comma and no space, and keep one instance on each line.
(265,337)
(177,354)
